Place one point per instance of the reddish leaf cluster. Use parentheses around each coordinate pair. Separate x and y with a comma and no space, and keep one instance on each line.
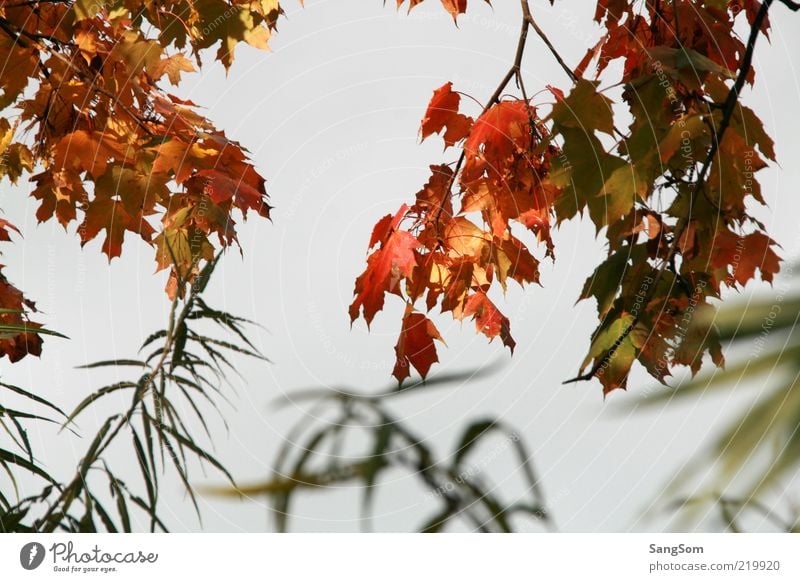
(437,255)
(116,152)
(670,194)
(667,261)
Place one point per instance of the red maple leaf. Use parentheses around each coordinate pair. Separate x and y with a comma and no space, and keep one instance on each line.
(442,113)
(386,266)
(415,345)
(488,319)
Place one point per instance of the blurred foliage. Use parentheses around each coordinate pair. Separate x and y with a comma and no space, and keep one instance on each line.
(735,512)
(181,374)
(313,457)
(760,447)
(13,421)
(183,369)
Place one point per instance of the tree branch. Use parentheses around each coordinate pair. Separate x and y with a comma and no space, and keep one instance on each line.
(529,18)
(728,109)
(514,72)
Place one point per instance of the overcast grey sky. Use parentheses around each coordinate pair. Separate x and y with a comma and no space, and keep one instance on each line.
(331,118)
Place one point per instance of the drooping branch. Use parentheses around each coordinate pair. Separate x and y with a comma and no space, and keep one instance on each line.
(728,109)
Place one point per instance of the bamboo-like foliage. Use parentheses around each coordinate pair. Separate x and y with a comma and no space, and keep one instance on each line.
(182,370)
(20,454)
(314,457)
(759,448)
(13,422)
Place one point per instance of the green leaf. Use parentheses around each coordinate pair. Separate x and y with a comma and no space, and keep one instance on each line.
(122,506)
(675,60)
(190,444)
(622,189)
(615,351)
(97,395)
(471,437)
(604,283)
(585,109)
(33,397)
(437,523)
(151,486)
(15,329)
(582,172)
(96,446)
(375,464)
(112,364)
(742,374)
(14,459)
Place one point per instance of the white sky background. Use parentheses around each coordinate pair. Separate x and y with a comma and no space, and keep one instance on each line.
(331,118)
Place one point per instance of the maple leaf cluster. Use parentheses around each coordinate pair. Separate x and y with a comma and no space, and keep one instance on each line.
(110,149)
(671,195)
(14,310)
(437,254)
(85,112)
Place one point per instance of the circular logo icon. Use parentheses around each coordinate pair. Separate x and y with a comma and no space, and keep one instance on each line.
(31,555)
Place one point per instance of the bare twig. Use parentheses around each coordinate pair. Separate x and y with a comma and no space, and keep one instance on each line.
(529,18)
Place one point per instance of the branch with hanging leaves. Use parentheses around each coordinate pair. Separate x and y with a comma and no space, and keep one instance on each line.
(672,194)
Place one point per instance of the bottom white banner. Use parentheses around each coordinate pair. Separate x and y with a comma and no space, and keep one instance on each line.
(401,557)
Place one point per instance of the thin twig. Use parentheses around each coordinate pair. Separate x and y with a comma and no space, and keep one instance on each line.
(549,44)
(514,72)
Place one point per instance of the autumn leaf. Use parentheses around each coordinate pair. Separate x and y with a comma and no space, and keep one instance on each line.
(14,309)
(669,193)
(740,256)
(666,174)
(386,266)
(584,108)
(513,259)
(435,198)
(172,67)
(442,114)
(415,345)
(499,131)
(88,151)
(221,187)
(111,216)
(60,193)
(85,9)
(454,7)
(229,25)
(488,319)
